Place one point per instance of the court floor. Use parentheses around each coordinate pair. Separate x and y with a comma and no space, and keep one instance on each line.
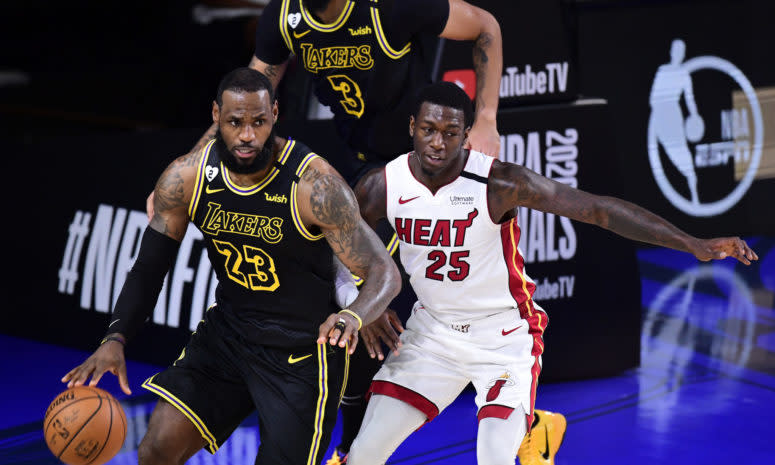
(704,393)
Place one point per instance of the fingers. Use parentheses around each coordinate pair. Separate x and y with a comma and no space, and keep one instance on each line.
(123,379)
(353,343)
(395,321)
(369,341)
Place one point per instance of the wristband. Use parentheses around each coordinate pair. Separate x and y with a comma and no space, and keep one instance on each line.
(113,337)
(355,315)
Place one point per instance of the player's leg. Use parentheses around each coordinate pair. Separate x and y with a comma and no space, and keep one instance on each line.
(362,367)
(387,423)
(498,438)
(296,393)
(408,390)
(171,438)
(187,418)
(353,407)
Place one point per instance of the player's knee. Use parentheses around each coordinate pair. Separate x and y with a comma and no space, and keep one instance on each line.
(154,450)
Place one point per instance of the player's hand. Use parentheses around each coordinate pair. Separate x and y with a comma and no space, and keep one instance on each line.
(723,247)
(382,329)
(109,357)
(149,206)
(483,137)
(339,329)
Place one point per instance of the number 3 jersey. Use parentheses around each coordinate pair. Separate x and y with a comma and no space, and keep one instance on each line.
(275,277)
(461,264)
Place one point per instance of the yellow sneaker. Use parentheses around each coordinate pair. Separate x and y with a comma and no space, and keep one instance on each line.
(337,458)
(540,446)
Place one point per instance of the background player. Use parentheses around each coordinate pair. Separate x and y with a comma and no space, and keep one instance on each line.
(475,321)
(264,206)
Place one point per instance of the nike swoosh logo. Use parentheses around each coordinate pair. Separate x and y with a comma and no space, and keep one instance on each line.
(506,333)
(114,322)
(545,455)
(213,191)
(292,360)
(299,36)
(402,201)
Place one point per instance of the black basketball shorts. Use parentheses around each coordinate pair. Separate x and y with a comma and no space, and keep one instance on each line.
(220,379)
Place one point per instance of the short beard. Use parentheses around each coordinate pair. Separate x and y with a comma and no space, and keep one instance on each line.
(263,157)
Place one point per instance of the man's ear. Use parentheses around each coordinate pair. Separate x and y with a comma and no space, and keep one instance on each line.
(216,112)
(411,125)
(275,112)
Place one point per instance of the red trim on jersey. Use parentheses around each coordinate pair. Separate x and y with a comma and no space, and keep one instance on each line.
(521,289)
(494,411)
(537,322)
(396,391)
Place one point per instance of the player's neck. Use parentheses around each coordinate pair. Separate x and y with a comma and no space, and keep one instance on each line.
(331,12)
(435,181)
(251,179)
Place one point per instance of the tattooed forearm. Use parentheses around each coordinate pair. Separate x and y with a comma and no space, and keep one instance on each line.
(481,47)
(334,204)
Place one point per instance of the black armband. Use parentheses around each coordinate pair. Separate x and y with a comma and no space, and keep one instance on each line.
(143,283)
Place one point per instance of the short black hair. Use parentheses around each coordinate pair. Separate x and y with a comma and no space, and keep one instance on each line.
(244,80)
(446,94)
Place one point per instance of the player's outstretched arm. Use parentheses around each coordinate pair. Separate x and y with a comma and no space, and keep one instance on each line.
(138,296)
(513,185)
(467,22)
(326,201)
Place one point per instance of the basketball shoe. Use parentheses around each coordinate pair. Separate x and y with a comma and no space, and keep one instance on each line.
(337,458)
(540,446)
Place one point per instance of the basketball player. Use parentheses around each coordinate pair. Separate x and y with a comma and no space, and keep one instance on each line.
(475,321)
(273,215)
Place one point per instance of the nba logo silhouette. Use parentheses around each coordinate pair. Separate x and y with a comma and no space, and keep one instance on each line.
(682,139)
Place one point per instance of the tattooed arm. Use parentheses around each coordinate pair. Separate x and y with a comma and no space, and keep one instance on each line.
(172,195)
(512,185)
(326,201)
(467,22)
(143,283)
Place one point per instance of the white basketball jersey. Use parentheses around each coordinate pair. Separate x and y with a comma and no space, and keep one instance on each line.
(461,264)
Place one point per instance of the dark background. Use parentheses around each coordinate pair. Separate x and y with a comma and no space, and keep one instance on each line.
(99,96)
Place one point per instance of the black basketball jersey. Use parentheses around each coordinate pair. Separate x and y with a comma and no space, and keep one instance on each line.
(275,276)
(368,84)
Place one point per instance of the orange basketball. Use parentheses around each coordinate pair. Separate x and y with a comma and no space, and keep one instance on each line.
(84,426)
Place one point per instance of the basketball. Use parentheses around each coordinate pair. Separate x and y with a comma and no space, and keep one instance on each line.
(695,128)
(84,426)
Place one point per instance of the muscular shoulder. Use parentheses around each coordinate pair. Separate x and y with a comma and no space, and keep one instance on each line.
(176,184)
(324,196)
(371,192)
